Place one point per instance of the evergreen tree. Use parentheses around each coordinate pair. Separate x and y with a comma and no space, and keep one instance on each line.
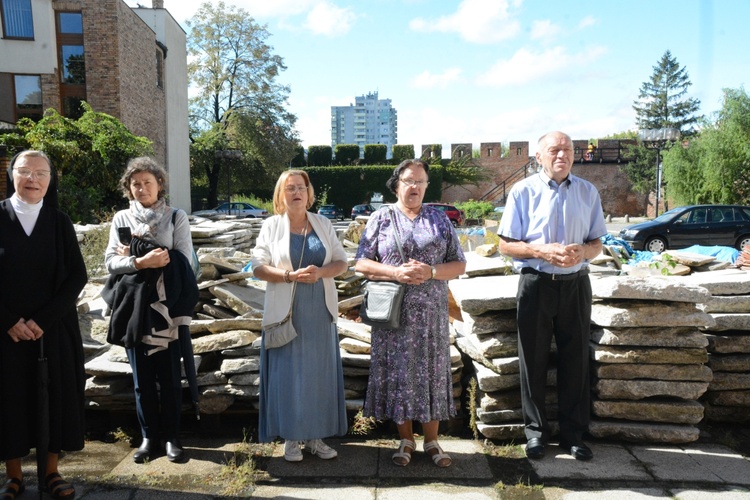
(662,101)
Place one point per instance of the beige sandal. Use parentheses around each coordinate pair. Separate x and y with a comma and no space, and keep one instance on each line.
(403,457)
(440,458)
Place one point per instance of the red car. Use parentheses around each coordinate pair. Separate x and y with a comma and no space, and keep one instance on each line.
(455,215)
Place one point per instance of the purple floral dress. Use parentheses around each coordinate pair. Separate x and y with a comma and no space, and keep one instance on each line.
(410,367)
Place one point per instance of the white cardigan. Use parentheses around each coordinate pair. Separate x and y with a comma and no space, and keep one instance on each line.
(272,248)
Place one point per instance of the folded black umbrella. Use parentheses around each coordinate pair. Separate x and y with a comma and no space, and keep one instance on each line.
(42,414)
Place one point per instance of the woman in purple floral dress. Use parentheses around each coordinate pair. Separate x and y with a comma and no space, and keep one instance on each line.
(410,369)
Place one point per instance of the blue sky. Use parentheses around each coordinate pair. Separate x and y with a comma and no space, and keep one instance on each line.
(495,70)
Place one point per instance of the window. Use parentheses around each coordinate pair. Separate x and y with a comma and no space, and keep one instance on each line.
(20,96)
(72,59)
(28,96)
(17,19)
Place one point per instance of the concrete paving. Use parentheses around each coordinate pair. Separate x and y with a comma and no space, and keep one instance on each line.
(363,470)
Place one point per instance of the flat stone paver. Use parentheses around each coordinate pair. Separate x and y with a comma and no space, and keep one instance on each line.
(311,492)
(714,495)
(615,494)
(355,459)
(696,463)
(436,492)
(610,462)
(469,462)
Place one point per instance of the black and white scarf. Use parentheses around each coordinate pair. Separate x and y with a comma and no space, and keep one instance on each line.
(153,220)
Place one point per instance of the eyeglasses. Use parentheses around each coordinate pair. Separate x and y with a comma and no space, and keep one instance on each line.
(295,189)
(28,173)
(412,183)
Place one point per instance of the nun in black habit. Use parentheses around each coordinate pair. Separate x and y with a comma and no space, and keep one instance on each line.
(41,275)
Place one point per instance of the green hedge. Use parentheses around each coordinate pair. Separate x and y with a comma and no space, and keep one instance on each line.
(346,154)
(349,186)
(375,154)
(320,156)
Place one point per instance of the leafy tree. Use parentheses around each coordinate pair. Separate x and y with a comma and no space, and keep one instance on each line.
(463,170)
(712,168)
(234,72)
(89,154)
(662,103)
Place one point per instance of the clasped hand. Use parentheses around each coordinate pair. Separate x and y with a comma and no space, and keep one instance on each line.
(561,255)
(413,272)
(309,274)
(25,330)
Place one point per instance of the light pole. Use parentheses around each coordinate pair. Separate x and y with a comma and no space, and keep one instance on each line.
(657,139)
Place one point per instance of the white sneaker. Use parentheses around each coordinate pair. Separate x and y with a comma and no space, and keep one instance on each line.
(292,452)
(318,447)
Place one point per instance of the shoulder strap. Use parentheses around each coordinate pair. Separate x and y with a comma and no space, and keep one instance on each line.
(174,215)
(395,232)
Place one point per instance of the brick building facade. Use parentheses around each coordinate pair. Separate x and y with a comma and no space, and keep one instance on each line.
(131,63)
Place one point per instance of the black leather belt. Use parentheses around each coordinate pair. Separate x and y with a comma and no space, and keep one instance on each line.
(556,277)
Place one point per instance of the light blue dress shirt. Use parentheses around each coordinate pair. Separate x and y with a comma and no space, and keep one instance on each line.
(538,211)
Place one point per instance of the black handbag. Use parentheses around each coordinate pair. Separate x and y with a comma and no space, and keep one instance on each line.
(381,304)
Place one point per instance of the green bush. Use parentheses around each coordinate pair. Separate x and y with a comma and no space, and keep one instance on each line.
(476,209)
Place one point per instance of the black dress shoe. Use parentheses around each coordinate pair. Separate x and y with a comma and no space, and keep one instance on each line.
(175,453)
(579,451)
(535,448)
(145,452)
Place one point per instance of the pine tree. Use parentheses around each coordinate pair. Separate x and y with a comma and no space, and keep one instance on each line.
(663,102)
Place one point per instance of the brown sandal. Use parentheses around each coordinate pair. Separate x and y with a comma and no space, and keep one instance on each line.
(57,486)
(12,488)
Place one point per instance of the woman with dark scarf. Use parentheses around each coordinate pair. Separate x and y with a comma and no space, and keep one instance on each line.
(152,292)
(41,275)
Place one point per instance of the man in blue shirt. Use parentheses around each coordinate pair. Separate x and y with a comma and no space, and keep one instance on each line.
(551,228)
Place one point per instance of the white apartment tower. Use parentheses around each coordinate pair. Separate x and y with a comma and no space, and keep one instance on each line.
(369,121)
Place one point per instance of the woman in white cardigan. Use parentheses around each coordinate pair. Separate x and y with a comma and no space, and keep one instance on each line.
(301,382)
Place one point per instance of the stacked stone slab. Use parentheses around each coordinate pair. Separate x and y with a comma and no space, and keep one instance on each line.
(648,354)
(728,396)
(648,359)
(488,335)
(227,232)
(355,343)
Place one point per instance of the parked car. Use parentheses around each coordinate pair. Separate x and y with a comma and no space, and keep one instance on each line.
(362,210)
(455,215)
(708,225)
(240,209)
(332,212)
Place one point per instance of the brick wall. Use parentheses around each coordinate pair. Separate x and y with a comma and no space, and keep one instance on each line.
(618,199)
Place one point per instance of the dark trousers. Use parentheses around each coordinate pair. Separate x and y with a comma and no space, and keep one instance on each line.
(158,393)
(562,309)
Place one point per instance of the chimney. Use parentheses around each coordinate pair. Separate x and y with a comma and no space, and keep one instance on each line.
(157,4)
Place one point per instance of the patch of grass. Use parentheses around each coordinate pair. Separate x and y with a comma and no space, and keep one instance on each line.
(520,490)
(510,450)
(239,474)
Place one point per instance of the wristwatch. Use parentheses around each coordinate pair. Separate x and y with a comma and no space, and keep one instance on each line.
(434,271)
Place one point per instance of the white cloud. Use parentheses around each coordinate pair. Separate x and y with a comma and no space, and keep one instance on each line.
(329,20)
(476,21)
(587,21)
(545,29)
(526,66)
(427,80)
